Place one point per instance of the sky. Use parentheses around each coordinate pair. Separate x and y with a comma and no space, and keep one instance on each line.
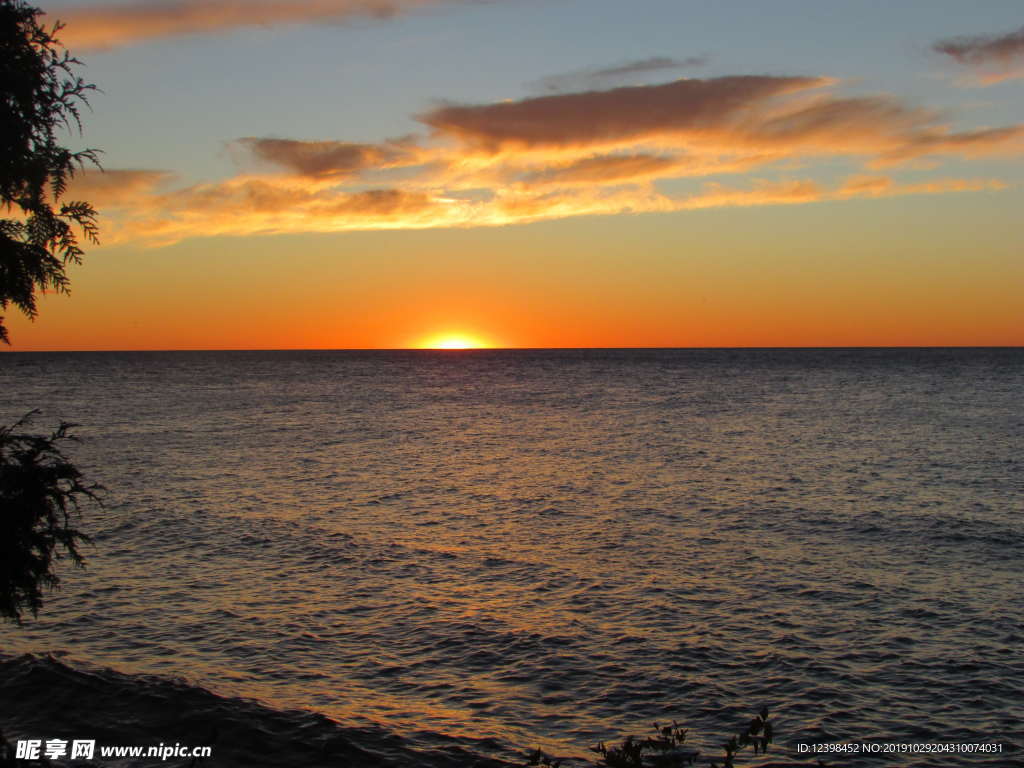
(546,173)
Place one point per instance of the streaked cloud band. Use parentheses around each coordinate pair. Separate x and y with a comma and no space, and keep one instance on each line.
(112,25)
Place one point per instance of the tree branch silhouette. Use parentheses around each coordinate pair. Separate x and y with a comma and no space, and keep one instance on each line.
(40,94)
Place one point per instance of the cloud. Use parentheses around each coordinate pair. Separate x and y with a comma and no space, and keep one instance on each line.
(940,141)
(992,57)
(626,168)
(884,186)
(282,205)
(655,63)
(114,188)
(715,120)
(591,79)
(603,169)
(111,25)
(324,159)
(623,150)
(253,205)
(610,117)
(763,192)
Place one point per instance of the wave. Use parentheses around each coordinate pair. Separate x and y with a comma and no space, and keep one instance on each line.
(42,697)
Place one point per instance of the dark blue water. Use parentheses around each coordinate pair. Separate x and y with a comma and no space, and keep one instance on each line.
(456,556)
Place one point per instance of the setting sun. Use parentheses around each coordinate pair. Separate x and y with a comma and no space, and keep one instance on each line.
(454,341)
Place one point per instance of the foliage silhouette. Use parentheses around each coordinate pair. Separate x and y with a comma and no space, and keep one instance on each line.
(40,494)
(667,748)
(39,94)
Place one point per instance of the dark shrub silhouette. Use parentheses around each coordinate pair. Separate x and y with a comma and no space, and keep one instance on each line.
(40,493)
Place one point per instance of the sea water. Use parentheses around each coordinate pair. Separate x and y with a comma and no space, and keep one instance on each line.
(436,558)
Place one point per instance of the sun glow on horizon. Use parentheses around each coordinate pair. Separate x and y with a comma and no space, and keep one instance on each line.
(454,341)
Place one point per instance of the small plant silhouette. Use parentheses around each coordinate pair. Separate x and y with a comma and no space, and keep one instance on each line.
(667,748)
(758,734)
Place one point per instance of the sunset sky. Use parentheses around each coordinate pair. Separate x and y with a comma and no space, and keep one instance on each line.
(547,173)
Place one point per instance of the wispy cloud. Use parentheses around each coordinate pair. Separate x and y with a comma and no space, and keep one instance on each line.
(592,79)
(762,192)
(592,153)
(885,186)
(116,188)
(268,206)
(111,25)
(992,58)
(940,141)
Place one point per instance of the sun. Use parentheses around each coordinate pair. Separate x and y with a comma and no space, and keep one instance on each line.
(454,341)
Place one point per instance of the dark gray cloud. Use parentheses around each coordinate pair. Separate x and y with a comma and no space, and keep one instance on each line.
(983,49)
(994,57)
(591,79)
(595,117)
(320,159)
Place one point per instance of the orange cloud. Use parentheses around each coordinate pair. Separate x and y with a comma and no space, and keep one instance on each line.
(255,205)
(115,188)
(524,206)
(278,205)
(268,205)
(556,171)
(111,25)
(992,57)
(763,193)
(119,196)
(595,153)
(599,169)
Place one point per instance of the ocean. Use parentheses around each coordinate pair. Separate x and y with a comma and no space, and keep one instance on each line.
(419,558)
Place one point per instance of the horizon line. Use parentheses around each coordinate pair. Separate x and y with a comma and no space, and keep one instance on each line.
(519,349)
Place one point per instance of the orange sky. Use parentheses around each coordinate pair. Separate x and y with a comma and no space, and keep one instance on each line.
(298,175)
(629,281)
